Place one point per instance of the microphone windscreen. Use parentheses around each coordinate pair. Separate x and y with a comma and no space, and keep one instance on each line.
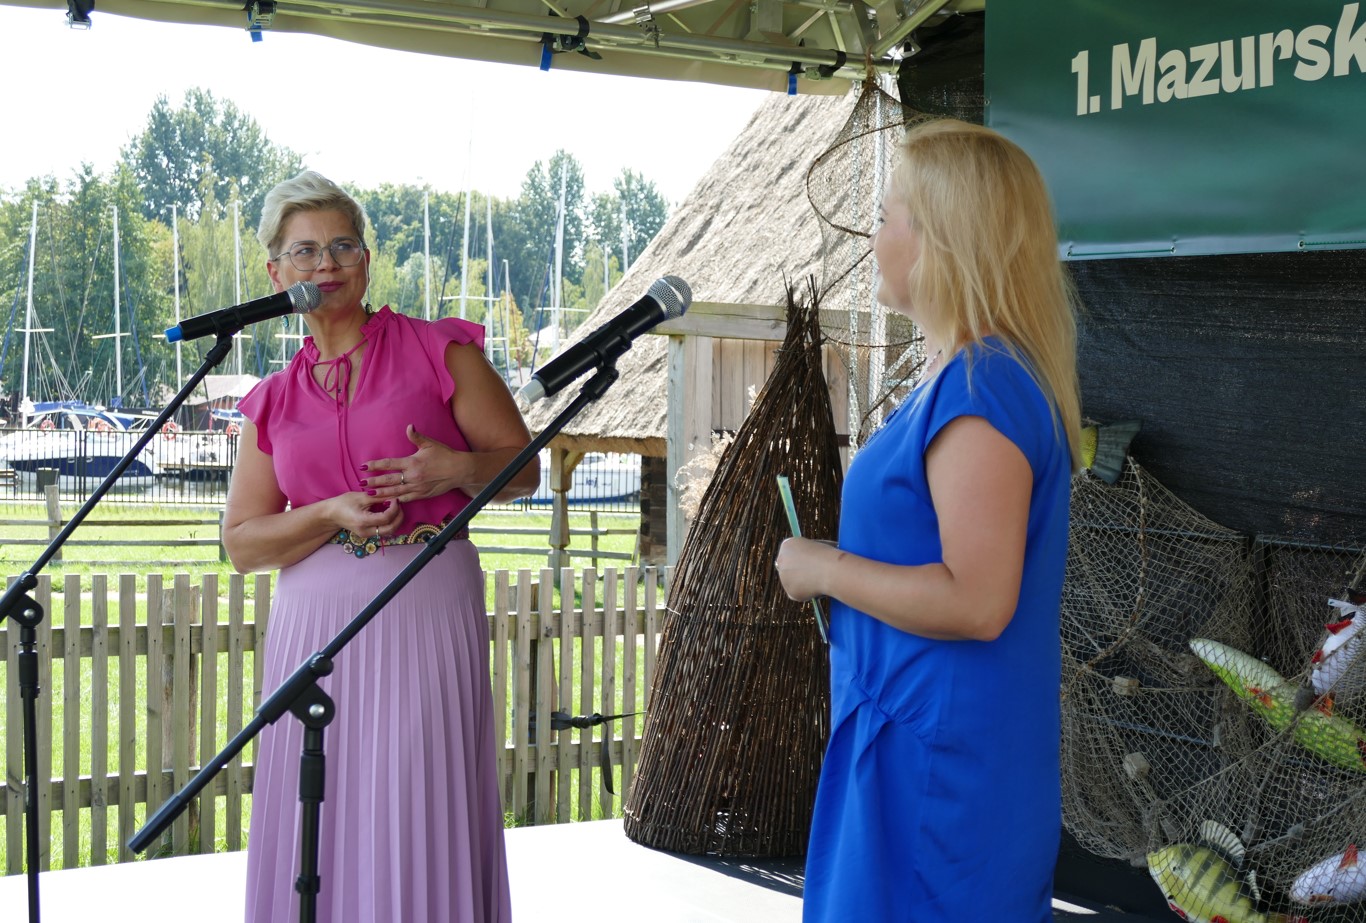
(673,294)
(304,297)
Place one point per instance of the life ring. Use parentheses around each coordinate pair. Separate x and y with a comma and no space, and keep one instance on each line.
(47,424)
(169,429)
(233,430)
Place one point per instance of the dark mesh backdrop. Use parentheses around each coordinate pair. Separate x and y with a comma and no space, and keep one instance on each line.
(1248,374)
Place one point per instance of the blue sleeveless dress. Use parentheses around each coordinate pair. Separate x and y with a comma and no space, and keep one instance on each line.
(939,799)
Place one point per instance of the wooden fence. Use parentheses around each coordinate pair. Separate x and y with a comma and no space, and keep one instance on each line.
(164,674)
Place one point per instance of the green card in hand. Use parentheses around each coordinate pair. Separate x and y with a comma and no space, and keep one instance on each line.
(785,491)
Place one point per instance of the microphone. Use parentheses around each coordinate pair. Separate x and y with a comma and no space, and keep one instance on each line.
(667,298)
(299,298)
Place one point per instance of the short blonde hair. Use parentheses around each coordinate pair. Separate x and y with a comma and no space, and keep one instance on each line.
(309,191)
(989,254)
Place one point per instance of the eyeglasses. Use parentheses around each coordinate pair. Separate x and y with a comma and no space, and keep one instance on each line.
(307,255)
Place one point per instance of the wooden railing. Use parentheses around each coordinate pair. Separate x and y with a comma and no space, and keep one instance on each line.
(163,674)
(55,519)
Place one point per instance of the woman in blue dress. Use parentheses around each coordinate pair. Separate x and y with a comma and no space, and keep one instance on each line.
(939,797)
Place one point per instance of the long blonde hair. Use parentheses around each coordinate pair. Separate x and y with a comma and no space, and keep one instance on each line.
(989,255)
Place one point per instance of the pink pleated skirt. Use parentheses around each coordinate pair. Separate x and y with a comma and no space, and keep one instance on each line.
(412,829)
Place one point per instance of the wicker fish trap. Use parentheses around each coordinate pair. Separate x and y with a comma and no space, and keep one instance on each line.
(740,705)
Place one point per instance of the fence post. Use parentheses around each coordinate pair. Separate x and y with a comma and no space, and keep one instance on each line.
(222,551)
(47,477)
(593,529)
(179,698)
(562,465)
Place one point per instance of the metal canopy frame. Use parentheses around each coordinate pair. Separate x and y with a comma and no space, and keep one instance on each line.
(810,46)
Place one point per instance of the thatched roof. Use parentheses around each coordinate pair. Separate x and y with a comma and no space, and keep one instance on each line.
(745,227)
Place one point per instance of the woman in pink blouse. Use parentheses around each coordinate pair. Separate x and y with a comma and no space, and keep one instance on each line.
(376,434)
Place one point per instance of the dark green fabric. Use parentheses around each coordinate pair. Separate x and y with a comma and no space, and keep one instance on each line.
(1272,167)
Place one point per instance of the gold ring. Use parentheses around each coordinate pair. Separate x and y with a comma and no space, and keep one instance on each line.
(402,478)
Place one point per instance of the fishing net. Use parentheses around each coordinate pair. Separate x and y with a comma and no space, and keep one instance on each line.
(1194,742)
(883,352)
(739,708)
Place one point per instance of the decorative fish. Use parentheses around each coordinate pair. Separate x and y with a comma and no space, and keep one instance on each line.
(1332,737)
(1340,646)
(1203,884)
(1338,879)
(1104,448)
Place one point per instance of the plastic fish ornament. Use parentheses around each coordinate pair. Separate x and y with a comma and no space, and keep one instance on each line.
(1104,448)
(1340,647)
(1271,696)
(1204,883)
(1338,879)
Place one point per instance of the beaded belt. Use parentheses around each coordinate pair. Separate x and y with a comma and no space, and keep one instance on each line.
(364,545)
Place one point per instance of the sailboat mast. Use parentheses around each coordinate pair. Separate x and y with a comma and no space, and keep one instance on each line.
(118,320)
(175,269)
(488,252)
(505,301)
(427,251)
(465,255)
(558,294)
(28,317)
(237,270)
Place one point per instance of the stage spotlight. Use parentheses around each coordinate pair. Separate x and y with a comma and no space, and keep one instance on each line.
(78,13)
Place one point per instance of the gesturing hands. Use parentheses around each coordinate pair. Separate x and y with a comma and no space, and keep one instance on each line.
(360,514)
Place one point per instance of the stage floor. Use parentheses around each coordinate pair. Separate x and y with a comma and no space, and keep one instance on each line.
(569,873)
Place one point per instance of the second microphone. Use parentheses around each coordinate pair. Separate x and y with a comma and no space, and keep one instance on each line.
(667,298)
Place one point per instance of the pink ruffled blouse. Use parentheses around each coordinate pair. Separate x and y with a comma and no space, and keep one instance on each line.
(318,441)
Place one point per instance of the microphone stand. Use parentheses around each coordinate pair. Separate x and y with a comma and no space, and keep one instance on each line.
(19,605)
(300,695)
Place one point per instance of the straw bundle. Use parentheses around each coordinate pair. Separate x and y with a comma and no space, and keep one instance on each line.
(740,707)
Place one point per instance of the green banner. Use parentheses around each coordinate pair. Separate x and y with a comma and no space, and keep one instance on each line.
(1183,128)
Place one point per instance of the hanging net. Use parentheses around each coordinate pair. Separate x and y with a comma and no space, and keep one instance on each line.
(739,708)
(882,351)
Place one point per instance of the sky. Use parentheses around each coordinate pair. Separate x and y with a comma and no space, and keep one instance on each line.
(376,116)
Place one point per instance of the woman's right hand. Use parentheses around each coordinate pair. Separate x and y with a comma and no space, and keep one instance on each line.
(362,515)
(802,564)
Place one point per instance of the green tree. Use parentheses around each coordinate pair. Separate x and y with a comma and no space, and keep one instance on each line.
(209,247)
(74,354)
(637,202)
(395,214)
(507,341)
(596,281)
(529,241)
(178,147)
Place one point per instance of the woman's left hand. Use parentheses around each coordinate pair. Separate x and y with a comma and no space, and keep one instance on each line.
(428,472)
(802,564)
